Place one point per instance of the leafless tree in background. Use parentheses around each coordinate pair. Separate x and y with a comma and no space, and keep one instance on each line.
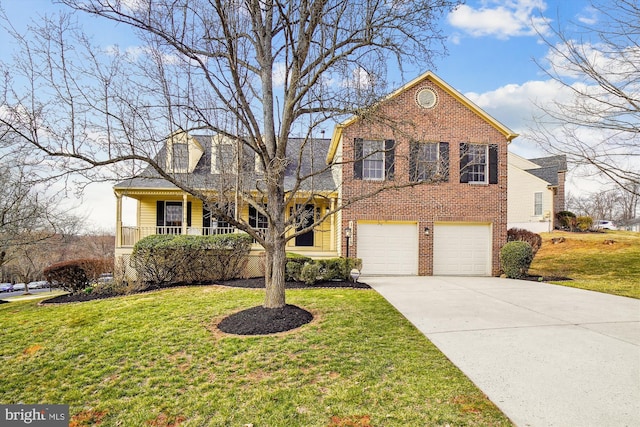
(30,220)
(254,71)
(598,124)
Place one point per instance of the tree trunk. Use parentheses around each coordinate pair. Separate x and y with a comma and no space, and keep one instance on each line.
(274,277)
(275,248)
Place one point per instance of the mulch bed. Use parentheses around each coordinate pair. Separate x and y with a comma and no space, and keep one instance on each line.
(264,321)
(253,321)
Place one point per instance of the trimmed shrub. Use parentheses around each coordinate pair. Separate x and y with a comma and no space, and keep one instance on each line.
(522,235)
(293,269)
(163,259)
(310,273)
(584,223)
(75,276)
(515,258)
(566,219)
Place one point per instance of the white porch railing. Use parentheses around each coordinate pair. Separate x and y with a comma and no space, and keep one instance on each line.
(131,235)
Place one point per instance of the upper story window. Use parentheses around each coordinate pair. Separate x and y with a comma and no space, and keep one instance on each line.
(179,157)
(223,158)
(479,163)
(374,159)
(428,161)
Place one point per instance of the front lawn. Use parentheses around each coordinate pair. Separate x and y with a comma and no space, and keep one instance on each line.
(592,261)
(157,359)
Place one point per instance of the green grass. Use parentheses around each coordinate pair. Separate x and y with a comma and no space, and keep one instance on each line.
(157,359)
(592,264)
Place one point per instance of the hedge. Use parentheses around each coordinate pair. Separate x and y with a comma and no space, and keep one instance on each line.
(516,258)
(304,269)
(163,259)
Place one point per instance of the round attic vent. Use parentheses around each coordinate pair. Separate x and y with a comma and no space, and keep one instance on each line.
(426,98)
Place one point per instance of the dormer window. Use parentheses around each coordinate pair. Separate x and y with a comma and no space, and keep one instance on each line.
(223,158)
(179,157)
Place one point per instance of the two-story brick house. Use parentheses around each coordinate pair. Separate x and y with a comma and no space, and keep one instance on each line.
(453,222)
(445,158)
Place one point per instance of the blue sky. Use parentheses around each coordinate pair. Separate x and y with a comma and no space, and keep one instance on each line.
(493,48)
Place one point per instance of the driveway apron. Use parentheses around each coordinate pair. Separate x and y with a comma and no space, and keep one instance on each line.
(546,355)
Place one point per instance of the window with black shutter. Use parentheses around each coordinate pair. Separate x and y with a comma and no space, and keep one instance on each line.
(428,161)
(479,163)
(374,159)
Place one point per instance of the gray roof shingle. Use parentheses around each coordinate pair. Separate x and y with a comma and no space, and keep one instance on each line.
(313,161)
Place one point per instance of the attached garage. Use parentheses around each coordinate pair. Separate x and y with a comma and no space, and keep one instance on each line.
(388,248)
(462,249)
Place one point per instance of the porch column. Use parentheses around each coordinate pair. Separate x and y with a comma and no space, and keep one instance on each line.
(184,213)
(332,222)
(118,220)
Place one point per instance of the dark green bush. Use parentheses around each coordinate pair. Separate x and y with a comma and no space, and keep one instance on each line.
(522,235)
(162,259)
(516,258)
(567,219)
(310,273)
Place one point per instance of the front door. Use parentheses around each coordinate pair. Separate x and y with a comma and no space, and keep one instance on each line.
(307,214)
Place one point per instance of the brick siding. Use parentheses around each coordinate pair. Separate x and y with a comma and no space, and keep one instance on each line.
(449,121)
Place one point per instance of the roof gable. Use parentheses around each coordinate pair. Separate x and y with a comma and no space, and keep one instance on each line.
(434,79)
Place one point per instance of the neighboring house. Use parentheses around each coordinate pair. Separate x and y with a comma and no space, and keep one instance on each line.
(446,156)
(456,221)
(536,192)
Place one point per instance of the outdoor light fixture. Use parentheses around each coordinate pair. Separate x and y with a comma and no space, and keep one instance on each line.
(426,231)
(355,274)
(347,235)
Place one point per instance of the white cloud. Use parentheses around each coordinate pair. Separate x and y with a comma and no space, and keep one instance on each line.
(500,19)
(589,16)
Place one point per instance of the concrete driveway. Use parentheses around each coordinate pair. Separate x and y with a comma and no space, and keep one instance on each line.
(546,355)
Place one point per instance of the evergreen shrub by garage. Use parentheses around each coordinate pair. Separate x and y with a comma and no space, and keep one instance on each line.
(74,276)
(516,258)
(164,259)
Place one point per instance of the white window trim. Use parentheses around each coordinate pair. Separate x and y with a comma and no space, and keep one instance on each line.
(486,165)
(536,205)
(214,158)
(377,151)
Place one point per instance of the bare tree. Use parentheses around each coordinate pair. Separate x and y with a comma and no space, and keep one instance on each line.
(250,71)
(617,204)
(598,124)
(30,221)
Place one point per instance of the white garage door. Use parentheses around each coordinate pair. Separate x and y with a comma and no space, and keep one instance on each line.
(462,249)
(388,249)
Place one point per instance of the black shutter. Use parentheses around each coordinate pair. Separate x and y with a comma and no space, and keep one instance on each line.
(413,161)
(188,214)
(389,159)
(443,166)
(357,157)
(464,161)
(160,213)
(493,164)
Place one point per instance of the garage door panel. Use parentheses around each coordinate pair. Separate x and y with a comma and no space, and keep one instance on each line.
(389,249)
(462,249)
